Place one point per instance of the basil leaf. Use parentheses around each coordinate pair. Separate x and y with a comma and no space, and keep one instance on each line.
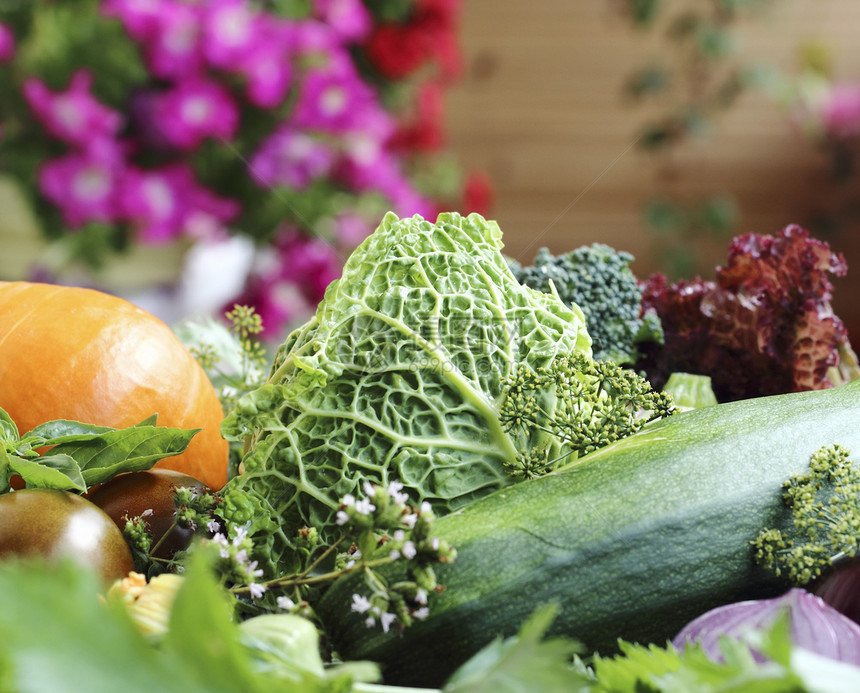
(49,471)
(61,431)
(124,450)
(8,429)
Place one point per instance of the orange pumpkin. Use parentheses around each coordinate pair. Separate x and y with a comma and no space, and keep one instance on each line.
(80,354)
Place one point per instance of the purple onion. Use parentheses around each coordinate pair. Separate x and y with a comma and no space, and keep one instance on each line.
(815,626)
(841,589)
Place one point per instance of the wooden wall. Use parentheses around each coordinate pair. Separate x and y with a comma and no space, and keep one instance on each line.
(540,109)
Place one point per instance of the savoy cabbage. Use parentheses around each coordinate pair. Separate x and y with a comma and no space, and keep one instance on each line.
(399,376)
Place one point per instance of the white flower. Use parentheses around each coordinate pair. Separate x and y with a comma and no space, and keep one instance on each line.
(435,543)
(421,613)
(256,591)
(348,500)
(394,490)
(252,570)
(341,518)
(241,556)
(360,603)
(399,535)
(365,507)
(370,622)
(369,489)
(394,555)
(213,526)
(425,509)
(386,620)
(241,535)
(285,603)
(409,520)
(147,512)
(421,596)
(409,550)
(219,539)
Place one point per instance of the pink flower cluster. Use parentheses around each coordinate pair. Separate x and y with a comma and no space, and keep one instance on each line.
(96,181)
(209,62)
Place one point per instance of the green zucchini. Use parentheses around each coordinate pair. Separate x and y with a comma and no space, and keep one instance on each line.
(632,542)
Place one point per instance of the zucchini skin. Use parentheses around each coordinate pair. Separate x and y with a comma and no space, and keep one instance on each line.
(633,542)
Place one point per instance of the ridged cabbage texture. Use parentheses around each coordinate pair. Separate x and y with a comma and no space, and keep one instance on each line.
(399,377)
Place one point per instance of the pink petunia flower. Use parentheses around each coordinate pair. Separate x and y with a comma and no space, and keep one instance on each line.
(267,66)
(350,19)
(297,272)
(230,31)
(83,184)
(292,158)
(331,100)
(139,17)
(195,109)
(168,202)
(840,113)
(7,43)
(174,47)
(74,116)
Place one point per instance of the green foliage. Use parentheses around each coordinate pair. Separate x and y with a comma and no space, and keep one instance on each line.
(574,406)
(398,376)
(82,455)
(825,515)
(60,636)
(598,280)
(523,662)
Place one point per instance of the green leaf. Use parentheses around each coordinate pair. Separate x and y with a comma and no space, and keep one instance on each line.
(61,430)
(525,662)
(202,634)
(124,450)
(8,428)
(58,636)
(49,471)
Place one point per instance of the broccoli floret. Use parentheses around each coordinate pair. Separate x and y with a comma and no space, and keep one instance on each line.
(825,514)
(598,279)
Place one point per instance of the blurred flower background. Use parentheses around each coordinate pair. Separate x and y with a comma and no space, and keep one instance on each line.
(194,154)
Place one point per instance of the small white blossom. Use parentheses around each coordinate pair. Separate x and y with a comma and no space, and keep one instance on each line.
(409,550)
(285,603)
(425,508)
(348,500)
(370,622)
(394,555)
(256,590)
(253,571)
(435,543)
(147,512)
(241,556)
(409,520)
(369,489)
(365,507)
(386,620)
(421,613)
(395,489)
(219,539)
(241,535)
(360,603)
(213,526)
(421,596)
(342,517)
(399,535)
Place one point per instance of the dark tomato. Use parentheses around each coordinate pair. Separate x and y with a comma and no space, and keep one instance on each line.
(56,524)
(148,493)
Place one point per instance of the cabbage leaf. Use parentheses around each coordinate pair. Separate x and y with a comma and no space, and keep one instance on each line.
(398,377)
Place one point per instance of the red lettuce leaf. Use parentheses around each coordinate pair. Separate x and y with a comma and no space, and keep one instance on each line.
(764,326)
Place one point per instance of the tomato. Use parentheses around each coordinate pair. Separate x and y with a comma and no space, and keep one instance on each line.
(151,492)
(56,524)
(83,355)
